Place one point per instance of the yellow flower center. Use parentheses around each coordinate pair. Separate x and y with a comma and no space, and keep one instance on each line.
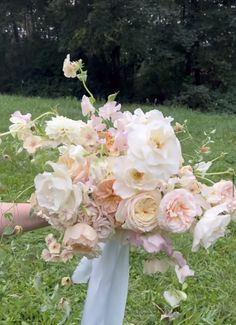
(146,209)
(136,175)
(157,139)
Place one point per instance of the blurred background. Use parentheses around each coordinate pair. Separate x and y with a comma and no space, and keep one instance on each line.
(167,52)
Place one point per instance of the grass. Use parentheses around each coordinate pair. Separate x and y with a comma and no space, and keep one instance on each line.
(30,289)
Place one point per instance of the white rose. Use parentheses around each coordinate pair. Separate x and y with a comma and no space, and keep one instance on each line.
(55,191)
(210,227)
(63,130)
(131,177)
(155,146)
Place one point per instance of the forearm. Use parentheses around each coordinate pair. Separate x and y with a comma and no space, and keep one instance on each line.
(20,213)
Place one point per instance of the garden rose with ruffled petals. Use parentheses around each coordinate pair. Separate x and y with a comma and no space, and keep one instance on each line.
(140,212)
(80,238)
(105,197)
(55,191)
(177,211)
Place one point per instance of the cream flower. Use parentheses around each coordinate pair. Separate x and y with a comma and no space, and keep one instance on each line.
(21,125)
(140,212)
(177,211)
(70,68)
(86,106)
(226,193)
(131,177)
(88,135)
(80,238)
(32,143)
(55,191)
(155,146)
(210,227)
(219,193)
(63,130)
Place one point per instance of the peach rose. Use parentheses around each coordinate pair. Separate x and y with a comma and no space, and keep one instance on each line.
(104,196)
(80,238)
(140,212)
(177,211)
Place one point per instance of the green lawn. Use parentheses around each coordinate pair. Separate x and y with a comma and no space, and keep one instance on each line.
(30,289)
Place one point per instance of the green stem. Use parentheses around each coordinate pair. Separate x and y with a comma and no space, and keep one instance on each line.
(42,115)
(86,87)
(219,173)
(5,133)
(25,190)
(206,179)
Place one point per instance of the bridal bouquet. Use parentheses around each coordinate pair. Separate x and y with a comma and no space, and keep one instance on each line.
(122,174)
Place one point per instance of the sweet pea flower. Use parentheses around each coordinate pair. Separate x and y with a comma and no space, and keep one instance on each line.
(17,117)
(97,123)
(32,143)
(21,125)
(111,110)
(177,211)
(155,243)
(174,297)
(183,272)
(70,68)
(87,107)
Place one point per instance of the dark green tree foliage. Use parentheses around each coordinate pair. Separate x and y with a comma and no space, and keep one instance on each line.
(162,51)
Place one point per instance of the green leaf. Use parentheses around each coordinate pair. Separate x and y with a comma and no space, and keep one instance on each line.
(8,216)
(8,231)
(112,97)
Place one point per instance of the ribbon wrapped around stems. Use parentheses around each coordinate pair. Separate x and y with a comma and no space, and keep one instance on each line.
(108,277)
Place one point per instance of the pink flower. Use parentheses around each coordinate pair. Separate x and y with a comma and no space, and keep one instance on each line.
(177,211)
(183,272)
(32,143)
(99,220)
(226,193)
(110,111)
(18,117)
(80,239)
(155,243)
(86,106)
(97,123)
